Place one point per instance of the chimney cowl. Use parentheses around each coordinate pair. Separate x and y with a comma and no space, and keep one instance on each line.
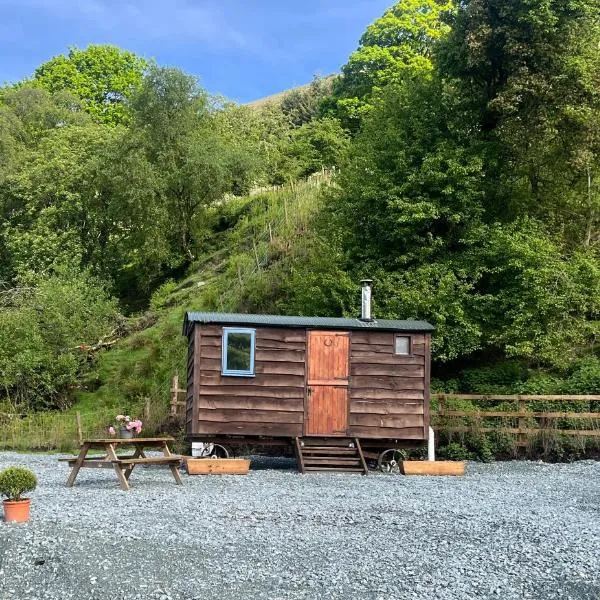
(366,300)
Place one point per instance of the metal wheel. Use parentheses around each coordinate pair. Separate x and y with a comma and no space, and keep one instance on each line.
(389,460)
(214,451)
(219,451)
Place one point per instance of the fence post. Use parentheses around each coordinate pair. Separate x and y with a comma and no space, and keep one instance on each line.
(79,429)
(147,410)
(521,436)
(255,254)
(174,389)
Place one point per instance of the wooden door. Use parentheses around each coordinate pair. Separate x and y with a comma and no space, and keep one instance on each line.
(327,383)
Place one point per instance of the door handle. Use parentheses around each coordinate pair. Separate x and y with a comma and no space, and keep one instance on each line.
(309,391)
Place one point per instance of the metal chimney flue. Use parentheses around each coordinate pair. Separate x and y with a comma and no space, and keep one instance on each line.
(365,313)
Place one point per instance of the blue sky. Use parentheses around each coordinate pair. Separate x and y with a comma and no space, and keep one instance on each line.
(244,49)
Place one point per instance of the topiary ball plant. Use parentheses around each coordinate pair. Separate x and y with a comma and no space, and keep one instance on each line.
(16,481)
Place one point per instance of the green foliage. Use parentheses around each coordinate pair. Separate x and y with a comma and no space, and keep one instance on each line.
(303,105)
(173,120)
(36,111)
(552,446)
(397,46)
(317,145)
(16,481)
(103,77)
(493,379)
(225,277)
(466,225)
(161,297)
(468,192)
(44,325)
(582,377)
(455,451)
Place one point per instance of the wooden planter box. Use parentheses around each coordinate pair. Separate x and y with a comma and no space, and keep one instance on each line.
(438,467)
(217,466)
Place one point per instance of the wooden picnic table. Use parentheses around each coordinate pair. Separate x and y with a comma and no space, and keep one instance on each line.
(123,465)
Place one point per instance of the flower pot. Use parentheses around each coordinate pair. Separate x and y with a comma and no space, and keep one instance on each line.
(125,433)
(17,511)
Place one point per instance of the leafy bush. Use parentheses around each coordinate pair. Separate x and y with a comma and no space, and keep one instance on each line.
(500,378)
(161,297)
(45,326)
(555,447)
(455,451)
(583,377)
(16,481)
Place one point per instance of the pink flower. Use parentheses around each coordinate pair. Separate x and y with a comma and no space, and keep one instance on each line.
(111,430)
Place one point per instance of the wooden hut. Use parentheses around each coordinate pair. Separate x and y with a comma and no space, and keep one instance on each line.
(334,389)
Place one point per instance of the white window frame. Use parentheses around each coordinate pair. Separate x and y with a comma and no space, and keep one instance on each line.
(233,372)
(410,345)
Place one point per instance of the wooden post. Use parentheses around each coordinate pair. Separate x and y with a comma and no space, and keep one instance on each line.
(147,410)
(270,233)
(174,389)
(79,429)
(255,254)
(521,436)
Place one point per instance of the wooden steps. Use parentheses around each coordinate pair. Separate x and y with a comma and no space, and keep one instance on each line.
(333,455)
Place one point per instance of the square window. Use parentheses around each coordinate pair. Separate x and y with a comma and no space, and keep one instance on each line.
(238,352)
(402,345)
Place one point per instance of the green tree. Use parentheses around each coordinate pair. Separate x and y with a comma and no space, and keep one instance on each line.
(526,72)
(302,105)
(175,122)
(316,145)
(103,77)
(470,195)
(39,112)
(43,322)
(396,46)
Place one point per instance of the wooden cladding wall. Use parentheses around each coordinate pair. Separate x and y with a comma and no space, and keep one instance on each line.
(189,388)
(271,403)
(388,392)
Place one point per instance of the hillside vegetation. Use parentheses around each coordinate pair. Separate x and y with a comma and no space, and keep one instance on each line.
(255,242)
(455,160)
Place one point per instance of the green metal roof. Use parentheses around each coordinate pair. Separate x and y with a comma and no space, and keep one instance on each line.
(303,322)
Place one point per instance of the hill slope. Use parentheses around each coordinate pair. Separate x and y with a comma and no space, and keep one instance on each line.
(248,240)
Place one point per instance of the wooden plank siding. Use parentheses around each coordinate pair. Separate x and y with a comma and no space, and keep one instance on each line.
(271,403)
(189,389)
(388,391)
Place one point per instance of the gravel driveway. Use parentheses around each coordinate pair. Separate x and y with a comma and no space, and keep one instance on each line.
(505,530)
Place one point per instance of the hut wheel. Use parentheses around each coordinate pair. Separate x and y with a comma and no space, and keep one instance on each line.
(214,451)
(389,460)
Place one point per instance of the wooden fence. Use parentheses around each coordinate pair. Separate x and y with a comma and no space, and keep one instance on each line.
(64,430)
(177,405)
(523,416)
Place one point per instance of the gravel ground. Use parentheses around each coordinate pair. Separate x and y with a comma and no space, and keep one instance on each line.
(505,530)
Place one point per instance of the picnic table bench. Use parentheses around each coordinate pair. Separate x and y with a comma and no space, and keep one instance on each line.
(123,465)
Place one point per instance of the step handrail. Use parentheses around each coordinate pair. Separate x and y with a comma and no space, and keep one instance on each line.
(362,456)
(299,456)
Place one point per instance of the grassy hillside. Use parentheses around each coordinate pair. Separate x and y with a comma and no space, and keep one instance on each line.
(247,239)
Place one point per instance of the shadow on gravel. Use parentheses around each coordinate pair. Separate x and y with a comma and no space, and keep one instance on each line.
(268,463)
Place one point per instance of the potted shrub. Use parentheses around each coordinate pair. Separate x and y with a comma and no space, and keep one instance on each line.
(14,482)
